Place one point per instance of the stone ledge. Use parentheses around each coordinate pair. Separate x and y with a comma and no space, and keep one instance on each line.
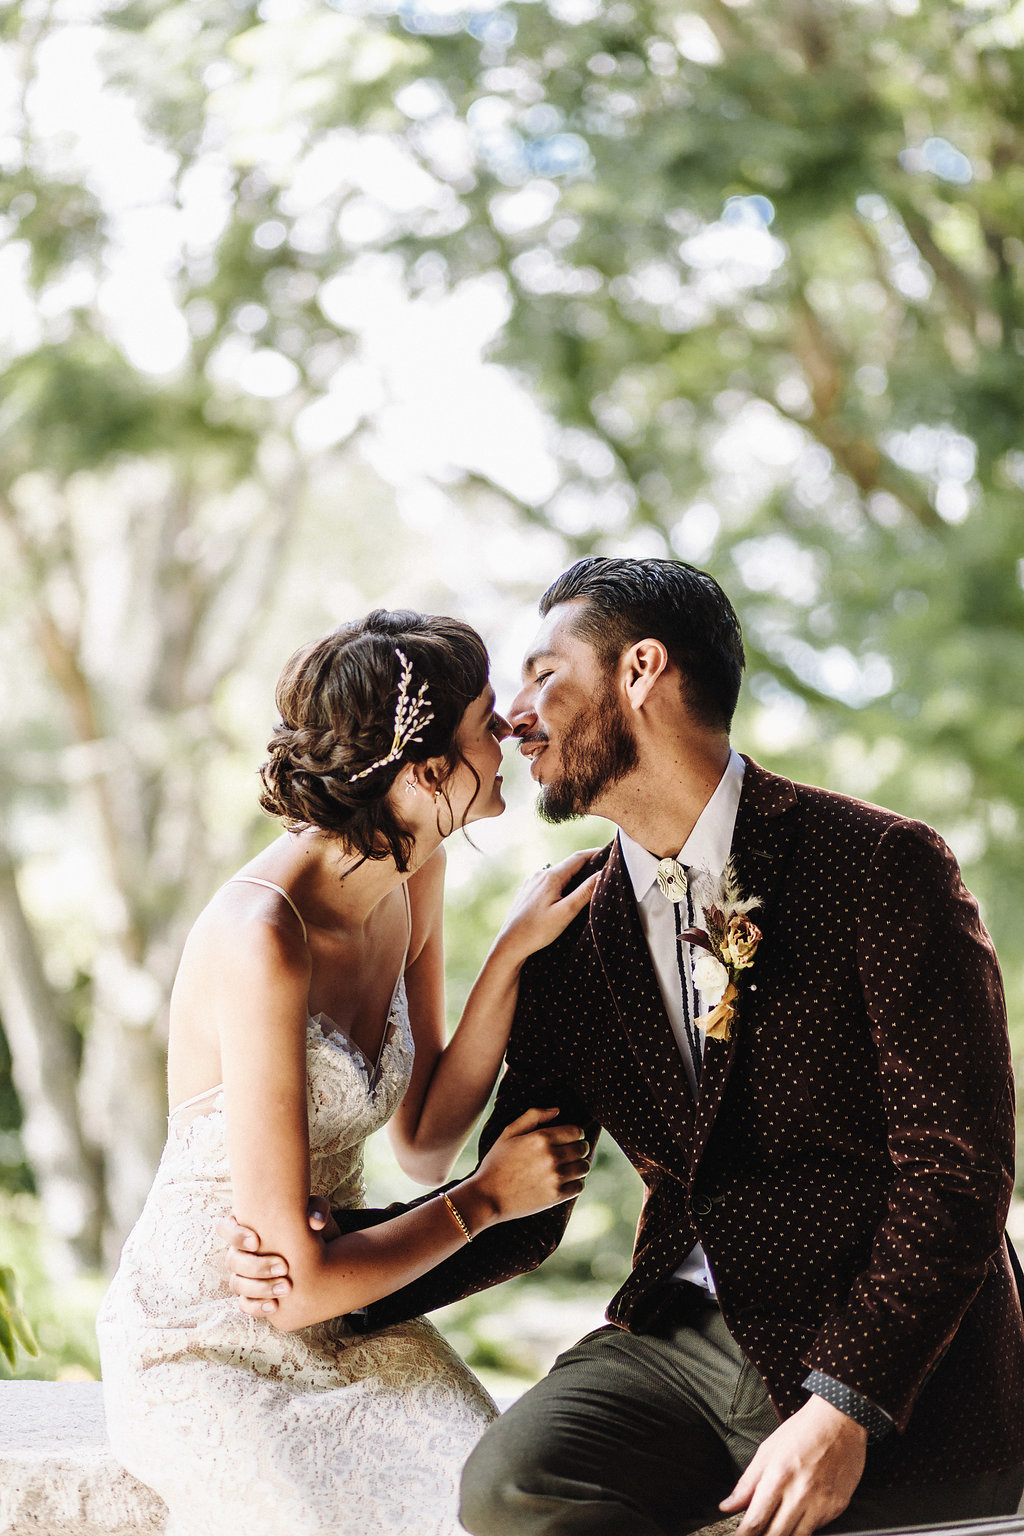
(57,1474)
(59,1478)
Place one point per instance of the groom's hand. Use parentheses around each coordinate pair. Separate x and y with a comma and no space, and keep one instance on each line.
(803,1475)
(258,1279)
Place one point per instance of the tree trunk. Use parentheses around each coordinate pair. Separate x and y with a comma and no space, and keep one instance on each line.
(123,1096)
(45,1068)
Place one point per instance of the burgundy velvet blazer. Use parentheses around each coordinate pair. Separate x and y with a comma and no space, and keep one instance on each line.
(849,1164)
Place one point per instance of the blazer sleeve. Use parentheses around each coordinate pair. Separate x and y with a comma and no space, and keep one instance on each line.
(533,1077)
(934,999)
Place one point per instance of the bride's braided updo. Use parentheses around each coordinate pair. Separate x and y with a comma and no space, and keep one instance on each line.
(332,757)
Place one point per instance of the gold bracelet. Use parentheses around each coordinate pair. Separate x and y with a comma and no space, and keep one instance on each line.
(457,1217)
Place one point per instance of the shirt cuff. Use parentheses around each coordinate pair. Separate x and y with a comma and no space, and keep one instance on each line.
(860,1409)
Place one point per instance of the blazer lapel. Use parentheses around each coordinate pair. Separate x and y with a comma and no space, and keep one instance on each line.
(762,835)
(760,844)
(629,972)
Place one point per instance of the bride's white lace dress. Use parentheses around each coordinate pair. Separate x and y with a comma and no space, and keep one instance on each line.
(240,1427)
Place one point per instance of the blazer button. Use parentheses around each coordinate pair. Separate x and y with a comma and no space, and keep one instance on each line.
(700,1205)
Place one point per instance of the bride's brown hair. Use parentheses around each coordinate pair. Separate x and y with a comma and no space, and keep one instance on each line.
(337,699)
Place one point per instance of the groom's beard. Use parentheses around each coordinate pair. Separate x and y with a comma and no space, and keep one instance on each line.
(597,749)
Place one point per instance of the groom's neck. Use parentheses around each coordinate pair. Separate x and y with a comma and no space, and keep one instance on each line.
(660,802)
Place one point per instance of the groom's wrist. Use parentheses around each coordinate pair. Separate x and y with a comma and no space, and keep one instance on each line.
(860,1409)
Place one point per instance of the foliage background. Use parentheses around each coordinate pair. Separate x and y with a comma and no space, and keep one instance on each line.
(313,306)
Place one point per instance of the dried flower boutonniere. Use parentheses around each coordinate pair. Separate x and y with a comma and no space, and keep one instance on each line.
(728,947)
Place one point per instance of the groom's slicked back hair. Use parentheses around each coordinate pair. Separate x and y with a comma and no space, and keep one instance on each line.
(623,601)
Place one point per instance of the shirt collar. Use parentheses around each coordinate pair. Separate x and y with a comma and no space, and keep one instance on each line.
(707,846)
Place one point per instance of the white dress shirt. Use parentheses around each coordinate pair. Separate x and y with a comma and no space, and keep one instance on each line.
(706,848)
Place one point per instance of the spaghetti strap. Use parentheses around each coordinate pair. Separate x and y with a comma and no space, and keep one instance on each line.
(408,918)
(386,1036)
(271,886)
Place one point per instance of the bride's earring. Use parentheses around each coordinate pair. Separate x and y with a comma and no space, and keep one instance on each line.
(437,814)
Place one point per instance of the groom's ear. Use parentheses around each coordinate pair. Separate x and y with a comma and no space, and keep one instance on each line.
(640,668)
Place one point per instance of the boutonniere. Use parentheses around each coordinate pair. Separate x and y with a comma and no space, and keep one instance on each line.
(728,945)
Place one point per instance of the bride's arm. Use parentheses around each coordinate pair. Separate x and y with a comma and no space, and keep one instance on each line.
(259,993)
(451,1083)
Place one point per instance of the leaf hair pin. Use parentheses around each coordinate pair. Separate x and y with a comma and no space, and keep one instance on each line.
(412,714)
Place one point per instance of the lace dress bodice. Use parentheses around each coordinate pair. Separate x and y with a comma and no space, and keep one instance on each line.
(348,1098)
(346,1102)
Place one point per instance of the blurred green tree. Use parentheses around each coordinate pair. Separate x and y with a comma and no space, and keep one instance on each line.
(144,521)
(15,1328)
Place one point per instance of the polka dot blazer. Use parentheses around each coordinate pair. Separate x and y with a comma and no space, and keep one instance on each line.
(848,1165)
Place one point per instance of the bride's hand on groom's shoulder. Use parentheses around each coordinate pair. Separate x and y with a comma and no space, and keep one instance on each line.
(542,908)
(531,1166)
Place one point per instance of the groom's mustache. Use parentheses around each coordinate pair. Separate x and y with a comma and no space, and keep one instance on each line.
(523,740)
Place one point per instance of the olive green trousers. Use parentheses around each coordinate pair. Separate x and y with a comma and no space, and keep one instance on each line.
(638,1435)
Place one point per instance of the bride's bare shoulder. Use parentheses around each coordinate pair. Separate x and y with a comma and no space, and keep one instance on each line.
(426,900)
(247,928)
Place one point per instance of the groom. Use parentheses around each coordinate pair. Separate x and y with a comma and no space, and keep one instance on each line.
(821,1326)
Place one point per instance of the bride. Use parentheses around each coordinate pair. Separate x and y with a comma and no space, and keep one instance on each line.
(308,1011)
